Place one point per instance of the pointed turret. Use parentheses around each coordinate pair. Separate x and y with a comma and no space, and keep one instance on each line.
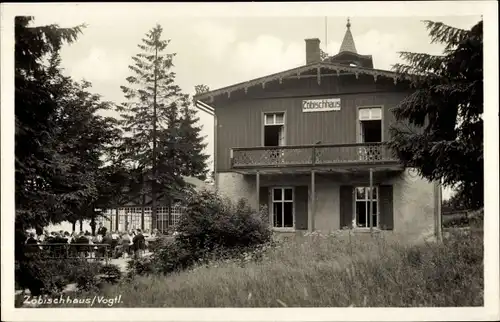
(348,42)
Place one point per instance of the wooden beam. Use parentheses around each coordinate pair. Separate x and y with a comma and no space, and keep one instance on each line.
(313,201)
(370,211)
(216,127)
(142,211)
(117,220)
(257,189)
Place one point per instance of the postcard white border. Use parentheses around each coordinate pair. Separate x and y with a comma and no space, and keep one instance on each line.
(489,10)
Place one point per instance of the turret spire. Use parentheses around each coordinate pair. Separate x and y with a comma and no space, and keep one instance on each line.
(348,42)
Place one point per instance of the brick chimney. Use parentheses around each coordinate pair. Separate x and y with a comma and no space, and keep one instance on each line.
(313,53)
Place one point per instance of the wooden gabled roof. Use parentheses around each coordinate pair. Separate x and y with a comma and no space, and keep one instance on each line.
(339,69)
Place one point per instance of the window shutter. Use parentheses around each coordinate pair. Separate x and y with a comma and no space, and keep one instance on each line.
(386,207)
(346,201)
(301,207)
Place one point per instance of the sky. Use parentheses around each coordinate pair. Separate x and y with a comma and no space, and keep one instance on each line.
(223,50)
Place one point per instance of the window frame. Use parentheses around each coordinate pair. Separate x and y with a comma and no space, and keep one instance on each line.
(264,124)
(282,201)
(366,200)
(359,138)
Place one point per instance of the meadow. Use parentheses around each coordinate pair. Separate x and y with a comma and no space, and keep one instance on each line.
(335,270)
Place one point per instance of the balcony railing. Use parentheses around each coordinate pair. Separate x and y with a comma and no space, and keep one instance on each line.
(312,155)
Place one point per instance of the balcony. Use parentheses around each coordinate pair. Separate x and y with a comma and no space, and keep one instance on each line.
(320,155)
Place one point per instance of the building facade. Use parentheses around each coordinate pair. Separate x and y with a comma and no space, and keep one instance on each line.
(309,143)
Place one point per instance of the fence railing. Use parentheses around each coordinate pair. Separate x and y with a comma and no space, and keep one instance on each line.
(453,218)
(311,155)
(69,251)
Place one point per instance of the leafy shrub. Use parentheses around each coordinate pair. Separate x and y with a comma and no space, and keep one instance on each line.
(174,256)
(110,273)
(140,266)
(87,276)
(211,228)
(211,222)
(43,275)
(159,243)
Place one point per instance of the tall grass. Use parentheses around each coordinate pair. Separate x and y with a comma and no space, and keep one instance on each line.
(326,271)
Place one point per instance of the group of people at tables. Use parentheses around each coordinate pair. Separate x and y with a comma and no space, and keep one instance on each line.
(103,243)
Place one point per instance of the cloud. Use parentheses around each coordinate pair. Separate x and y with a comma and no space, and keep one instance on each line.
(215,39)
(264,55)
(100,65)
(267,54)
(332,48)
(383,47)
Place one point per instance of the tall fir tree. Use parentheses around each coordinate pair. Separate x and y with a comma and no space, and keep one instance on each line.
(150,117)
(447,107)
(192,152)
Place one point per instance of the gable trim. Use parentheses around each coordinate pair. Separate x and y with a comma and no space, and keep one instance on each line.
(337,68)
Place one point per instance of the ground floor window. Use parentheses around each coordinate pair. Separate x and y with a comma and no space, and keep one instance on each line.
(362,207)
(282,207)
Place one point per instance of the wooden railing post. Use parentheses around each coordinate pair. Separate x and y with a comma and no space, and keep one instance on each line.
(371,201)
(313,201)
(257,190)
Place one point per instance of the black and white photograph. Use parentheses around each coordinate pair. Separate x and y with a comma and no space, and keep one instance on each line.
(250,161)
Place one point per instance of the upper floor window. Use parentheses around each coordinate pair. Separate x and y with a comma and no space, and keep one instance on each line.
(370,125)
(274,129)
(274,119)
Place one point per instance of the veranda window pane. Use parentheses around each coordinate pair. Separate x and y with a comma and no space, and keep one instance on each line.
(375,221)
(289,194)
(277,195)
(360,193)
(374,193)
(374,207)
(277,212)
(361,213)
(269,119)
(288,214)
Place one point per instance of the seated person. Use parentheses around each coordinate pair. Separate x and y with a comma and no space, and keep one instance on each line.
(83,244)
(139,243)
(107,248)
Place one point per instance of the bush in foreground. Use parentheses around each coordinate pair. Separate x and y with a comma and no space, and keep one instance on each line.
(320,271)
(210,229)
(43,275)
(211,222)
